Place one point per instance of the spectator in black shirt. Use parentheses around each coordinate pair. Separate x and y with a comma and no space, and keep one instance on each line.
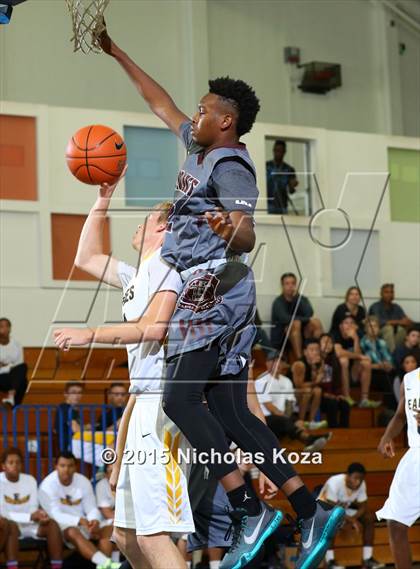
(281,180)
(411,346)
(392,318)
(333,402)
(349,353)
(67,418)
(307,378)
(351,307)
(293,313)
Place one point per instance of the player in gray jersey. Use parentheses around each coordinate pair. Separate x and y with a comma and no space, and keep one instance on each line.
(210,227)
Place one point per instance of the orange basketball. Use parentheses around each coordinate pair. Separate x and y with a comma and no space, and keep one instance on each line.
(96,154)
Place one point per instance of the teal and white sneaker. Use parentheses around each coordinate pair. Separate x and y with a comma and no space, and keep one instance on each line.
(249,534)
(110,565)
(317,533)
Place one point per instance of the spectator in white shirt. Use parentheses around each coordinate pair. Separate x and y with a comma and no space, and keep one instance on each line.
(19,505)
(104,496)
(12,367)
(276,396)
(68,498)
(349,491)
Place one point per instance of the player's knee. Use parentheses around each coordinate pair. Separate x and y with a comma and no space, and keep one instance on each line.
(13,529)
(151,543)
(296,325)
(344,362)
(72,534)
(317,391)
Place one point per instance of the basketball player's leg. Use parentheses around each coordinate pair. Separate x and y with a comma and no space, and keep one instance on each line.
(126,541)
(318,521)
(11,548)
(52,533)
(160,551)
(104,541)
(83,545)
(295,337)
(400,546)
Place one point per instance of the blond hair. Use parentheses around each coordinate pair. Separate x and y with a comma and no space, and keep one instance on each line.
(164,208)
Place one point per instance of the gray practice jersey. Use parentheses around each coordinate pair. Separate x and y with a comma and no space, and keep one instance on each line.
(223,177)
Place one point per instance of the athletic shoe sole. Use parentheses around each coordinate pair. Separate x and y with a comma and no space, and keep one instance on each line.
(271,528)
(328,533)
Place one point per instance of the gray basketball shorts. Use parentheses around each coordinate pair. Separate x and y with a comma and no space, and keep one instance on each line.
(216,306)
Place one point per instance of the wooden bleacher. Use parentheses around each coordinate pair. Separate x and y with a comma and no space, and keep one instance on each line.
(97,368)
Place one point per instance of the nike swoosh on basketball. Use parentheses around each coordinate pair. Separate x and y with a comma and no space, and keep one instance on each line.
(119,146)
(308,543)
(251,538)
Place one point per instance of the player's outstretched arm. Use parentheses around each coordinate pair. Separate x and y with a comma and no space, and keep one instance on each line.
(394,428)
(159,101)
(90,256)
(152,326)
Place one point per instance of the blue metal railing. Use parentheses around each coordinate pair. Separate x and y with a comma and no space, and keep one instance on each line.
(46,429)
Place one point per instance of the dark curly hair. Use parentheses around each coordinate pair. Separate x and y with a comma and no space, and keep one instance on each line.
(241,96)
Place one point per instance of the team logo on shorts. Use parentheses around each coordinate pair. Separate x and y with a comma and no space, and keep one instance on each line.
(200,294)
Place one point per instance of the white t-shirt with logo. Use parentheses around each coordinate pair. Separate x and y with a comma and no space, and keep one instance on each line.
(145,359)
(336,491)
(274,390)
(11,354)
(18,500)
(67,504)
(104,496)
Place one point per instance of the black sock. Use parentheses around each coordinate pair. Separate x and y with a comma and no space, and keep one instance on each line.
(303,503)
(242,498)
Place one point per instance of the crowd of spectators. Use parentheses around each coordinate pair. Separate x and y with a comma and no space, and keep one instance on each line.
(370,349)
(62,510)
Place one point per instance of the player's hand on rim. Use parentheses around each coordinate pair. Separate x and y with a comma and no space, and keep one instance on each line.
(105,41)
(64,338)
(106,190)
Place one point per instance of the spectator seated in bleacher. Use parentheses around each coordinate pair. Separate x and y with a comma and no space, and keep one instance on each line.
(351,307)
(295,311)
(68,498)
(333,403)
(67,418)
(409,363)
(104,496)
(382,366)
(307,377)
(117,399)
(276,396)
(19,505)
(392,319)
(12,367)
(261,338)
(352,361)
(411,345)
(349,491)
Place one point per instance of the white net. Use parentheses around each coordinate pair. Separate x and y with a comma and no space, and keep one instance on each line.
(88,24)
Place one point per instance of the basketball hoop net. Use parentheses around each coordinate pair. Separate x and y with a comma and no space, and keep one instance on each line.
(88,24)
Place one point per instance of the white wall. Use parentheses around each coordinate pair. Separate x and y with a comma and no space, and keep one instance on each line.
(32,299)
(183,42)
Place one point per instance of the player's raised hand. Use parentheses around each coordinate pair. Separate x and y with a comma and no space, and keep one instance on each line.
(107,190)
(105,41)
(64,338)
(220,222)
(386,448)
